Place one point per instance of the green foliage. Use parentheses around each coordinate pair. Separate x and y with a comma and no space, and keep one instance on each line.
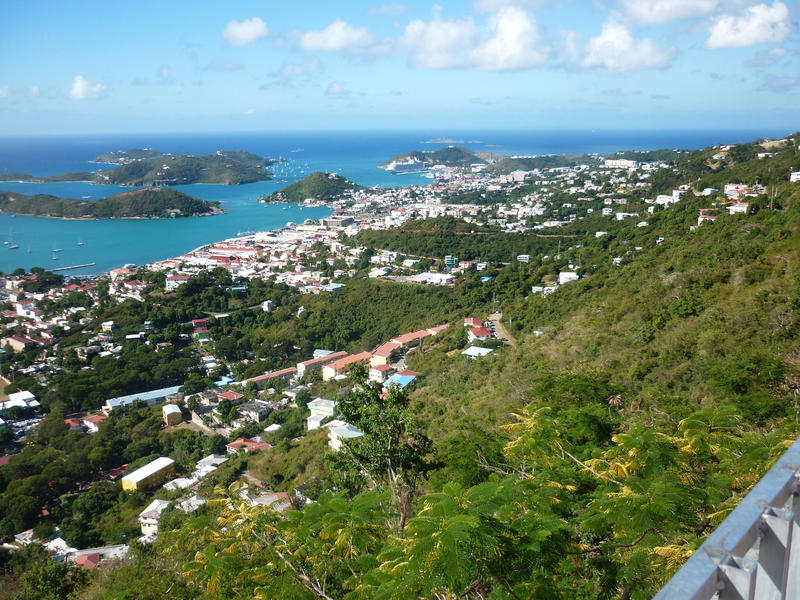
(224,167)
(150,203)
(318,185)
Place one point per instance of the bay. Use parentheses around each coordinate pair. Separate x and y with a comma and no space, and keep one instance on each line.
(354,155)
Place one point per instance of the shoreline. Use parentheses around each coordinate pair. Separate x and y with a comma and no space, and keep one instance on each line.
(208,214)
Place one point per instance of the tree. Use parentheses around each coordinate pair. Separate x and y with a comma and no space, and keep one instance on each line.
(394,451)
(52,581)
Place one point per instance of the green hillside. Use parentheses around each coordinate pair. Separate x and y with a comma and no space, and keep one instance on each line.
(508,164)
(139,168)
(586,459)
(317,186)
(147,204)
(452,156)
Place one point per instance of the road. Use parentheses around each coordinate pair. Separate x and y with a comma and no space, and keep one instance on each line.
(499,330)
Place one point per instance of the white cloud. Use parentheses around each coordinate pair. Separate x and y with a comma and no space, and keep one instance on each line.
(241,33)
(83,89)
(5,91)
(615,49)
(651,12)
(165,73)
(34,91)
(439,44)
(517,42)
(756,25)
(335,90)
(513,41)
(337,36)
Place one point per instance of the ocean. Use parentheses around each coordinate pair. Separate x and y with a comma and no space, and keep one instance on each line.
(355,155)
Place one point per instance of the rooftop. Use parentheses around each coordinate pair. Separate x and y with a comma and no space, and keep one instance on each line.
(147,470)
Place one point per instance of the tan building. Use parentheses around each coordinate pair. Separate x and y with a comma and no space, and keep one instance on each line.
(172,414)
(19,343)
(343,364)
(152,475)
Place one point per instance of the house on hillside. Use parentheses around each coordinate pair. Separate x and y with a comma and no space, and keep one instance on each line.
(383,354)
(148,518)
(321,409)
(478,333)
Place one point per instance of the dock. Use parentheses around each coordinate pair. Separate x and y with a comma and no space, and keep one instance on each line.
(91,264)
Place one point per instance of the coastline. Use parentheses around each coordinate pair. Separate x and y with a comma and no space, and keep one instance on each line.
(207,214)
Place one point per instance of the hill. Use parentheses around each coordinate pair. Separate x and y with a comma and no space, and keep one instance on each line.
(317,186)
(136,204)
(509,164)
(452,156)
(141,168)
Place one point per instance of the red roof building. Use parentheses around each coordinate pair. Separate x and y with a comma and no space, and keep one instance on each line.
(243,444)
(88,561)
(231,396)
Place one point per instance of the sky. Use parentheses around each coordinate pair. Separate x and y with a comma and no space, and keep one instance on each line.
(242,65)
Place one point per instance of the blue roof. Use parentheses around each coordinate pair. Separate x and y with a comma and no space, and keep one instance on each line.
(151,395)
(399,380)
(332,286)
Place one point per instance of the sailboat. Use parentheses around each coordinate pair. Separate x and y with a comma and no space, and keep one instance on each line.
(10,243)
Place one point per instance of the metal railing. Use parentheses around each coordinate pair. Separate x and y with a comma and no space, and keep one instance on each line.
(754,554)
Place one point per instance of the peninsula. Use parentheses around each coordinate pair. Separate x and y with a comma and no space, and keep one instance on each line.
(451,156)
(318,186)
(157,203)
(146,167)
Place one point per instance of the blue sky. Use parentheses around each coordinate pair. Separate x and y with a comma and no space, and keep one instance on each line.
(107,67)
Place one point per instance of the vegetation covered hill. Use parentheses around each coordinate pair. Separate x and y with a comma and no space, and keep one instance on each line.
(149,167)
(588,461)
(145,204)
(452,156)
(508,164)
(317,186)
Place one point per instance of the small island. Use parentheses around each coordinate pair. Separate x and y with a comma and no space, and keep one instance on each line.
(318,186)
(146,167)
(159,203)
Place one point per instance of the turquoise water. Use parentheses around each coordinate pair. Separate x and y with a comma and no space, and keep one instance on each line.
(354,155)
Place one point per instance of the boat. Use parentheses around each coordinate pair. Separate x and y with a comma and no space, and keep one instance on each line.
(10,243)
(410,165)
(55,257)
(80,243)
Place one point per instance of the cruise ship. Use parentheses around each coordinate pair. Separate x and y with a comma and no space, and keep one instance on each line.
(410,165)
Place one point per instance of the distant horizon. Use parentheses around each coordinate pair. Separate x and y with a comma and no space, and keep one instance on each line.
(444,132)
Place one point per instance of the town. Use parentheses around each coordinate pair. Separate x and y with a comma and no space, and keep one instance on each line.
(245,403)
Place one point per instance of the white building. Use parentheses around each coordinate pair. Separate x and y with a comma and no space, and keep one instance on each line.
(339,430)
(320,409)
(20,400)
(148,518)
(794,177)
(565,276)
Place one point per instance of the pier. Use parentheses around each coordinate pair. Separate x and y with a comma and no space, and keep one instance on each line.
(91,264)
